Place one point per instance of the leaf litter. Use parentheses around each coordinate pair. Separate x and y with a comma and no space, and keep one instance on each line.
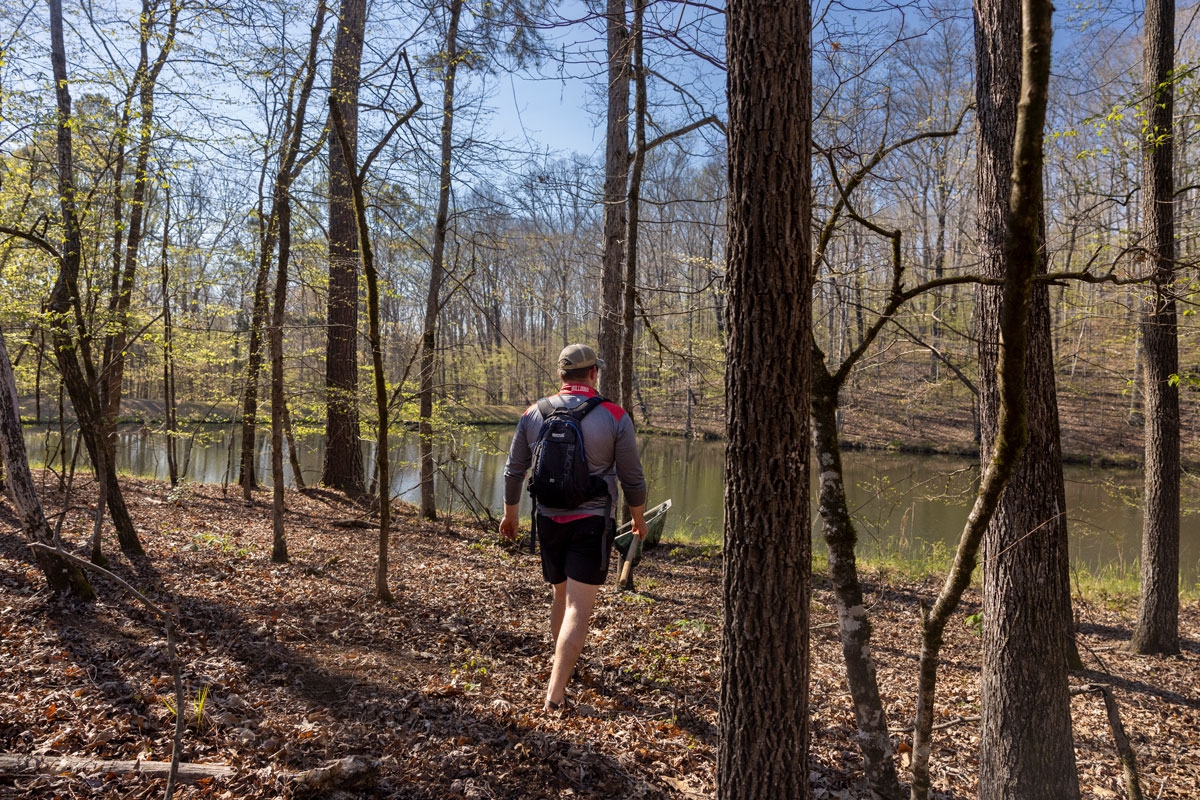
(291,667)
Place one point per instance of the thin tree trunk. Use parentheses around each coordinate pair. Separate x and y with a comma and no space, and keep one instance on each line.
(343,467)
(37,381)
(281,205)
(279,553)
(635,186)
(168,353)
(113,369)
(293,451)
(854,626)
(616,175)
(1157,629)
(764,727)
(382,591)
(246,473)
(436,269)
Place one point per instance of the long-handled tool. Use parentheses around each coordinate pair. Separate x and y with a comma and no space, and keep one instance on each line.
(630,546)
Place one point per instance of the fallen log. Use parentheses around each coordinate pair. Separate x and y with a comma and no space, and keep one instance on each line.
(350,771)
(14,764)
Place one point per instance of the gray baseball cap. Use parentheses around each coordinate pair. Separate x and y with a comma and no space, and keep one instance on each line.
(578,356)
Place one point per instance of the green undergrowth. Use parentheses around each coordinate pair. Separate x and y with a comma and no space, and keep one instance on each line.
(1112,585)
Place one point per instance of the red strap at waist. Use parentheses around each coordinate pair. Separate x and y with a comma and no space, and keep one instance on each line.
(565,518)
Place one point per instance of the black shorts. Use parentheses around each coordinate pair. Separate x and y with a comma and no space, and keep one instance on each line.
(578,549)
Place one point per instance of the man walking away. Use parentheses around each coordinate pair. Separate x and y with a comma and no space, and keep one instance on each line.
(574,541)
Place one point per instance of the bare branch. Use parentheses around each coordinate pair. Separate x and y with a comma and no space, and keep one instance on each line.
(32,238)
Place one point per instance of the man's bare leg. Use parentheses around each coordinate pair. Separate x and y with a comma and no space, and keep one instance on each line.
(580,598)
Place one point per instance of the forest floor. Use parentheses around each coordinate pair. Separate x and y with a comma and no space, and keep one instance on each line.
(443,688)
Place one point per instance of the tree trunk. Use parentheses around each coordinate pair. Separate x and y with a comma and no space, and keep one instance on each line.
(383,476)
(279,553)
(854,626)
(74,357)
(437,267)
(113,370)
(246,474)
(763,748)
(1157,629)
(293,451)
(62,576)
(616,175)
(635,186)
(343,467)
(168,353)
(1026,748)
(281,207)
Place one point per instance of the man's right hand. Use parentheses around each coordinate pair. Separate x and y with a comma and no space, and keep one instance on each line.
(508,525)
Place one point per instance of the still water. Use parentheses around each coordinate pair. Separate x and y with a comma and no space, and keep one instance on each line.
(903,504)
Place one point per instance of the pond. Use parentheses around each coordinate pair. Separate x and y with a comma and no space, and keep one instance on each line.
(905,505)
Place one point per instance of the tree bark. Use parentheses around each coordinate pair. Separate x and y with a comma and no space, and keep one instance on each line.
(854,626)
(168,351)
(1157,629)
(247,478)
(616,177)
(293,451)
(635,189)
(281,203)
(1026,748)
(437,268)
(382,592)
(343,468)
(279,553)
(62,576)
(763,746)
(66,313)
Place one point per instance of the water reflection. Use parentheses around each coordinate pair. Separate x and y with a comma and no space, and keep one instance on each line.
(914,505)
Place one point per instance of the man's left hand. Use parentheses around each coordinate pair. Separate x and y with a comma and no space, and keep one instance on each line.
(638,514)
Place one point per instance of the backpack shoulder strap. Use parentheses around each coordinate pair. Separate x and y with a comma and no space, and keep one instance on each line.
(546,407)
(586,407)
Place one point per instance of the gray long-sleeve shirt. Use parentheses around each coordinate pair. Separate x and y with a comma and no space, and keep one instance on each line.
(608,439)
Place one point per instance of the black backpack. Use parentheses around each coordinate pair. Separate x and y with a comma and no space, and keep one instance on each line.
(559,476)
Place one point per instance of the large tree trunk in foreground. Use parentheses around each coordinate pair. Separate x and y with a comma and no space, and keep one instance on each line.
(763,750)
(343,467)
(1020,247)
(61,575)
(616,176)
(437,267)
(65,311)
(1157,629)
(1026,748)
